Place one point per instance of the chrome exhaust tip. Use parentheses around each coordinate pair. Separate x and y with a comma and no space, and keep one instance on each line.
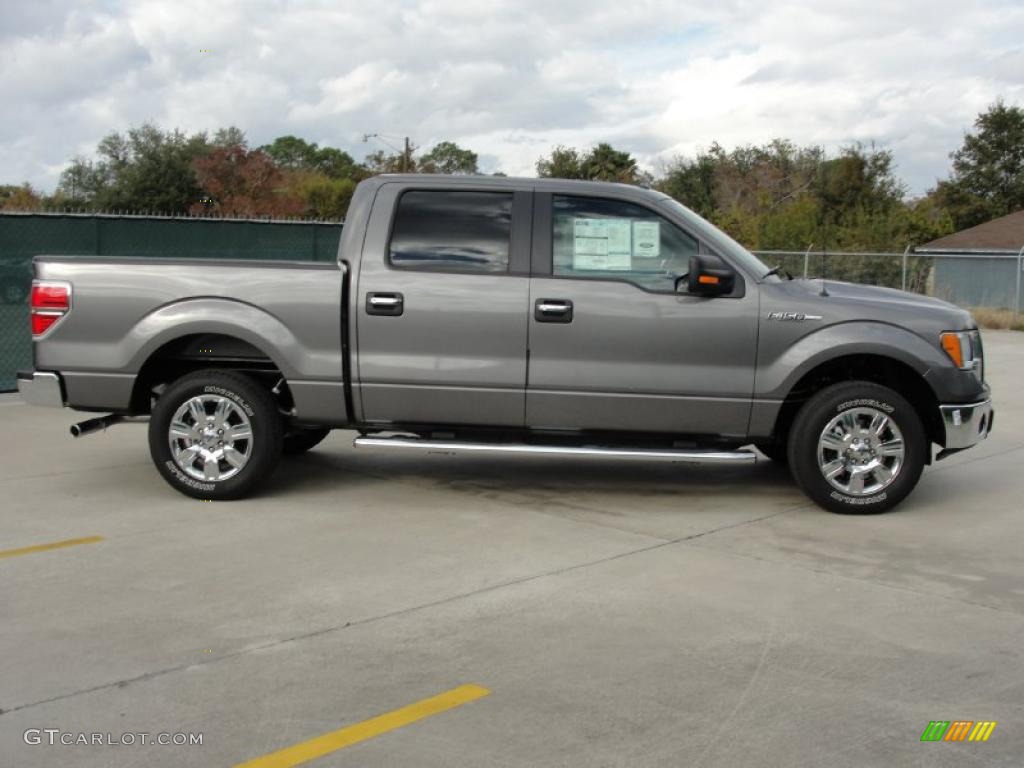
(89,426)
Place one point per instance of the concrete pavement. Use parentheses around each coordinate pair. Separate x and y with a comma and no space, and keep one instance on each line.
(619,614)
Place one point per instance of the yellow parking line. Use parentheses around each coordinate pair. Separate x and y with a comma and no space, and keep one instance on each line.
(45,547)
(375,726)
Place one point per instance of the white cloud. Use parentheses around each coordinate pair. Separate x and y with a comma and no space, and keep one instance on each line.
(510,79)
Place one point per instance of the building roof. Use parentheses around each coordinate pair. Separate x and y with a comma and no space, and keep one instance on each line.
(1003,234)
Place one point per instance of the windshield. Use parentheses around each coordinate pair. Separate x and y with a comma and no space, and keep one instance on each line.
(717,239)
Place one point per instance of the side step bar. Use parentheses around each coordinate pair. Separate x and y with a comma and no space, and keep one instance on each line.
(449,447)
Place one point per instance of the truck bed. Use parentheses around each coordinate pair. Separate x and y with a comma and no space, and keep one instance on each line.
(125,311)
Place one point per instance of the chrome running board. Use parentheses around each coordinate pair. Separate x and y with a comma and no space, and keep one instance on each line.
(450,447)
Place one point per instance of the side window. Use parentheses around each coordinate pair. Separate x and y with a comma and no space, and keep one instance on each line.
(452,230)
(611,238)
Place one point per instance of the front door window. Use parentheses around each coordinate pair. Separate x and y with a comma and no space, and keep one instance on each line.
(613,239)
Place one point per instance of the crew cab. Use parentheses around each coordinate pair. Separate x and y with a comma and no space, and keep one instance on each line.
(512,316)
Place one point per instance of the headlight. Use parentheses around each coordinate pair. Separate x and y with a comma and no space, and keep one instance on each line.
(964,349)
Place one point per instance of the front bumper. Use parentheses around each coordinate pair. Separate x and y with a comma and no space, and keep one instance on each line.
(966,425)
(40,388)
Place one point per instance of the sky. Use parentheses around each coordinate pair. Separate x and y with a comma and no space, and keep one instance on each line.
(509,80)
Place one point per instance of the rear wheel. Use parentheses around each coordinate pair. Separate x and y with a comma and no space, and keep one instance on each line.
(215,434)
(857,448)
(301,440)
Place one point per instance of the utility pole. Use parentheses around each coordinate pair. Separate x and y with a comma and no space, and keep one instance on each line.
(406,152)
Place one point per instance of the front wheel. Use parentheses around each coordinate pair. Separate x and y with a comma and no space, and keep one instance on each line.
(857,448)
(215,434)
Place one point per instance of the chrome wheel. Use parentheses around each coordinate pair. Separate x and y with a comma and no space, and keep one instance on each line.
(861,451)
(210,438)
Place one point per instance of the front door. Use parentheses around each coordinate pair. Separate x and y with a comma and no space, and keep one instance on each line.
(613,346)
(441,320)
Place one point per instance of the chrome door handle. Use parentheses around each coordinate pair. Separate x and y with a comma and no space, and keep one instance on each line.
(552,311)
(386,304)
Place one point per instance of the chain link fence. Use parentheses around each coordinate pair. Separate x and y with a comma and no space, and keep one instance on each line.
(23,236)
(891,270)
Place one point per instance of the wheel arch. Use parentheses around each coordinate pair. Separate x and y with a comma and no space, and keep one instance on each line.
(875,367)
(191,352)
(184,336)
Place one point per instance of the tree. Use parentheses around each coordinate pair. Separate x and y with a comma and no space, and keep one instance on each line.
(602,163)
(291,152)
(148,169)
(379,162)
(448,157)
(337,164)
(326,198)
(605,163)
(562,163)
(691,182)
(780,196)
(295,154)
(230,137)
(160,176)
(861,200)
(19,198)
(988,170)
(241,182)
(80,182)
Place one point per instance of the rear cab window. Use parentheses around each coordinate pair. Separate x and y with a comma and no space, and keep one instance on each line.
(452,231)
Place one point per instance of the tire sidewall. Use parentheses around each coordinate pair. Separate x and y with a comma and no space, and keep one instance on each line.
(258,407)
(820,410)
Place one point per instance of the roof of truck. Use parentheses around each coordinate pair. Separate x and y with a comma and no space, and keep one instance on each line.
(519,182)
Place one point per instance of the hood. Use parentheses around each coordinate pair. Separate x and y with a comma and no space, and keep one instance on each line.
(874,293)
(853,301)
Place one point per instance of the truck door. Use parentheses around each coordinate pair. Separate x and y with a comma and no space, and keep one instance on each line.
(613,346)
(442,293)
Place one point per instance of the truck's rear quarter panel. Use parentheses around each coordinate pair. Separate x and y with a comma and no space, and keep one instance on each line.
(124,310)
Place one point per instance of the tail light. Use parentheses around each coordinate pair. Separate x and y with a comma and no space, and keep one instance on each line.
(50,301)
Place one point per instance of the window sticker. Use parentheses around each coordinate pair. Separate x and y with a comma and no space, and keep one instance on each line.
(602,244)
(647,238)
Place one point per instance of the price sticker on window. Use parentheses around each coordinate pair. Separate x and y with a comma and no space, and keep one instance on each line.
(646,238)
(601,244)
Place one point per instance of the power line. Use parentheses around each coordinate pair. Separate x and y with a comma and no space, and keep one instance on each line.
(406,153)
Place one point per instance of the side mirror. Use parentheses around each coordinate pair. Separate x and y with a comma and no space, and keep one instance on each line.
(707,278)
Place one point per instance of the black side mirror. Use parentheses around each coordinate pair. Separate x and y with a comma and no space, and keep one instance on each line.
(707,278)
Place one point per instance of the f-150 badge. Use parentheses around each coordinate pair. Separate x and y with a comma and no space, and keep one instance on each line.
(795,317)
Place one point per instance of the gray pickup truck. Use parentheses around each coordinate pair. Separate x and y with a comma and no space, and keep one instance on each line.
(512,316)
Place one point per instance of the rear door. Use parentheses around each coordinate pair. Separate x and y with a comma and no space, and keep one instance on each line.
(612,345)
(442,294)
